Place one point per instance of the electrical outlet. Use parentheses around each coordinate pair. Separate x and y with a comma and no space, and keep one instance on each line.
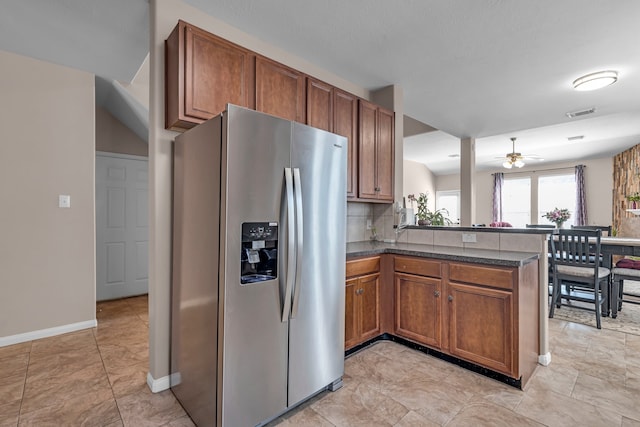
(369,226)
(469,237)
(64,201)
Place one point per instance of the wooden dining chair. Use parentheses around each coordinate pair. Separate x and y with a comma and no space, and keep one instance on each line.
(602,228)
(619,275)
(583,277)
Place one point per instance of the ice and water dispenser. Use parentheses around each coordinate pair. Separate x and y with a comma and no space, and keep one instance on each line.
(259,258)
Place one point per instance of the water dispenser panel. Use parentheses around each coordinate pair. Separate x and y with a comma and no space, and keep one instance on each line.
(259,257)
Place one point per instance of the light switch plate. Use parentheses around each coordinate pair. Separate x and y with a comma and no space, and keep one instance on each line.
(468,237)
(64,201)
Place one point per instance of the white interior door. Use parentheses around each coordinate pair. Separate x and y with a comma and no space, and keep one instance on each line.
(121,226)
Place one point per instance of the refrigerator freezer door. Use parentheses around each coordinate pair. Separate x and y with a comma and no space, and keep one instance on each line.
(254,338)
(316,333)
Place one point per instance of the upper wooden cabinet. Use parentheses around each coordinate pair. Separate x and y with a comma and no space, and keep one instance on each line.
(345,123)
(376,152)
(202,74)
(280,90)
(320,104)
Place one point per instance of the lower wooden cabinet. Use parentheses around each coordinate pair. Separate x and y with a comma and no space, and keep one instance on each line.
(417,309)
(362,303)
(481,327)
(484,314)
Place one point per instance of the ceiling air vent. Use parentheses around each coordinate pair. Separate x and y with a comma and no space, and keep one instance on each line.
(581,113)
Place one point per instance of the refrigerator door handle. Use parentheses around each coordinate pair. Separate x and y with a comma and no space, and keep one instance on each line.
(297,186)
(291,251)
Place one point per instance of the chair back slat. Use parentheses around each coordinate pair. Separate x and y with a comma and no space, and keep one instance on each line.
(576,247)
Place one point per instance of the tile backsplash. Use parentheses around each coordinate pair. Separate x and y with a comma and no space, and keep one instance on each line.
(381,216)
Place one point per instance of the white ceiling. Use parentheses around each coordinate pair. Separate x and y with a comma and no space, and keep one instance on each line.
(488,69)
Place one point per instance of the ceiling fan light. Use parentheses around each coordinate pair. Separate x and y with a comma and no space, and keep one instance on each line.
(595,81)
(507,164)
(519,163)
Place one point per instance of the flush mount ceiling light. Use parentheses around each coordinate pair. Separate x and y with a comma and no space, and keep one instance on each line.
(595,81)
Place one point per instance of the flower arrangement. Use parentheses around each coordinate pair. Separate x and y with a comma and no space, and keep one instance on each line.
(558,216)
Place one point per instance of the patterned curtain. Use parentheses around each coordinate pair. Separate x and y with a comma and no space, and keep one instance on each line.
(581,198)
(498,181)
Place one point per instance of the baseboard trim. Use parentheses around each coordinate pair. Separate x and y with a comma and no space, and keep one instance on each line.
(46,333)
(158,385)
(544,359)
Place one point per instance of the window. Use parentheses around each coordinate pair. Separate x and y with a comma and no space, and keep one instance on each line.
(556,191)
(516,201)
(526,198)
(449,200)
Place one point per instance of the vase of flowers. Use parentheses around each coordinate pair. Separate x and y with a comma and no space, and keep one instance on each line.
(558,216)
(633,199)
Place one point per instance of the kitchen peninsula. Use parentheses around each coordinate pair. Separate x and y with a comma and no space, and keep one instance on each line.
(465,295)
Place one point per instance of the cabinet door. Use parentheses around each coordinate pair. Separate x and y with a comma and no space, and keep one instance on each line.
(367,130)
(203,74)
(319,105)
(351,321)
(418,309)
(481,326)
(385,155)
(369,296)
(280,90)
(345,123)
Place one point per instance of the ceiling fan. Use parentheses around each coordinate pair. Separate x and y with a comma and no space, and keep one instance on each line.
(516,159)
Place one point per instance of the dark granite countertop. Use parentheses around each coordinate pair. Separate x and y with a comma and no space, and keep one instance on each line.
(483,229)
(448,253)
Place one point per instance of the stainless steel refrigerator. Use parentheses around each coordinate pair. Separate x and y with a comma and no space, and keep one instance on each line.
(259,211)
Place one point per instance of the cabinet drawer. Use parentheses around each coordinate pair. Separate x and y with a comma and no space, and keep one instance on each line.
(421,267)
(481,275)
(363,266)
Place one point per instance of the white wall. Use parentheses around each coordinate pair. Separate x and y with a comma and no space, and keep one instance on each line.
(47,254)
(114,137)
(417,178)
(598,180)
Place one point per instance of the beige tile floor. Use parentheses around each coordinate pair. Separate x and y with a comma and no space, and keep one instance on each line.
(97,377)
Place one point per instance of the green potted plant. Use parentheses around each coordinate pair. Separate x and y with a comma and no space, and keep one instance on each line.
(426,216)
(422,212)
(634,199)
(438,217)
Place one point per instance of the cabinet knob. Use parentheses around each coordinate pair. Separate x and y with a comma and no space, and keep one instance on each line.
(450,298)
(377,189)
(436,293)
(359,291)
